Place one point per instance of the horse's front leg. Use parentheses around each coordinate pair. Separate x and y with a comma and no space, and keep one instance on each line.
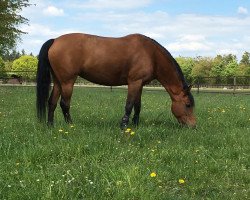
(137,109)
(134,89)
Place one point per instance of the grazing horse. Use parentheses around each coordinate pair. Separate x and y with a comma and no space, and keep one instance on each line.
(133,60)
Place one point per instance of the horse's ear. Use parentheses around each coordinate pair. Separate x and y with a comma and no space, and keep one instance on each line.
(188,89)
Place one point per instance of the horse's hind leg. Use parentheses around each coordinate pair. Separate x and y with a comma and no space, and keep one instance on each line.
(52,103)
(66,94)
(134,89)
(137,108)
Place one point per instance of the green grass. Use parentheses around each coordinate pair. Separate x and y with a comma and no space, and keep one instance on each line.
(95,160)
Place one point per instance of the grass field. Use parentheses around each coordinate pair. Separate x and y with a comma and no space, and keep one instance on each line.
(93,159)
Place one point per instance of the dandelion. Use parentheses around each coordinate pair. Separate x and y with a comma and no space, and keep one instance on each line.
(223,110)
(132,133)
(128,130)
(60,130)
(72,126)
(66,132)
(153,174)
(181,181)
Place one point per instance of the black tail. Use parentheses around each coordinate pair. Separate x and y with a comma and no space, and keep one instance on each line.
(43,80)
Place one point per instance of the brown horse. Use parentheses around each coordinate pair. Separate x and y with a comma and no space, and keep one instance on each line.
(133,60)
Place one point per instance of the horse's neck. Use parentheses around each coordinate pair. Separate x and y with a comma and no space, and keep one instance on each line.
(167,75)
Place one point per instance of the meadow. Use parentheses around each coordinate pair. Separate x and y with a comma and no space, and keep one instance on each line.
(94,159)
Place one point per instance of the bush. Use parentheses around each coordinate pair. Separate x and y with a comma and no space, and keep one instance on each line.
(25,66)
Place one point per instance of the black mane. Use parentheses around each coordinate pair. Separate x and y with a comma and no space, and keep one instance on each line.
(179,71)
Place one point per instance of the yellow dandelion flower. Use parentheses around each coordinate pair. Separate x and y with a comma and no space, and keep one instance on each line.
(223,110)
(153,174)
(72,126)
(66,132)
(132,133)
(128,130)
(60,130)
(181,181)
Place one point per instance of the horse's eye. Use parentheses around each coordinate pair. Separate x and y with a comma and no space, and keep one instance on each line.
(188,105)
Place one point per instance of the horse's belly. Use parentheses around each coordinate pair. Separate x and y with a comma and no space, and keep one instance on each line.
(104,77)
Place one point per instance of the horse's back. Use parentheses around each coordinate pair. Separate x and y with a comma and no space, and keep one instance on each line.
(101,60)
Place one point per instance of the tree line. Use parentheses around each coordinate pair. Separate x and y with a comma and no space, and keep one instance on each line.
(193,68)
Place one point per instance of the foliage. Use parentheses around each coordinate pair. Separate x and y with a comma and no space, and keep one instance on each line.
(11,55)
(218,66)
(231,68)
(244,67)
(187,64)
(2,68)
(95,160)
(202,67)
(25,63)
(10,22)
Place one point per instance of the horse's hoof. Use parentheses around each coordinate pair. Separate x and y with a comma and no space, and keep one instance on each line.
(123,126)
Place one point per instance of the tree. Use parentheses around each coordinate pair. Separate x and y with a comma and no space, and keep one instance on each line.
(231,69)
(217,67)
(9,23)
(244,66)
(2,68)
(202,68)
(23,52)
(186,64)
(25,66)
(11,55)
(245,60)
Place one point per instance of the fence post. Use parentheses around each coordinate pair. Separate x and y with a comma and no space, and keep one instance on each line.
(234,86)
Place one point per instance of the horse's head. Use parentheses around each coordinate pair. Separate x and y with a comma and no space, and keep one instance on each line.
(183,108)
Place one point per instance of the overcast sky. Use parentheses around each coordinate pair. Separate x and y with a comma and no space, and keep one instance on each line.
(184,27)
